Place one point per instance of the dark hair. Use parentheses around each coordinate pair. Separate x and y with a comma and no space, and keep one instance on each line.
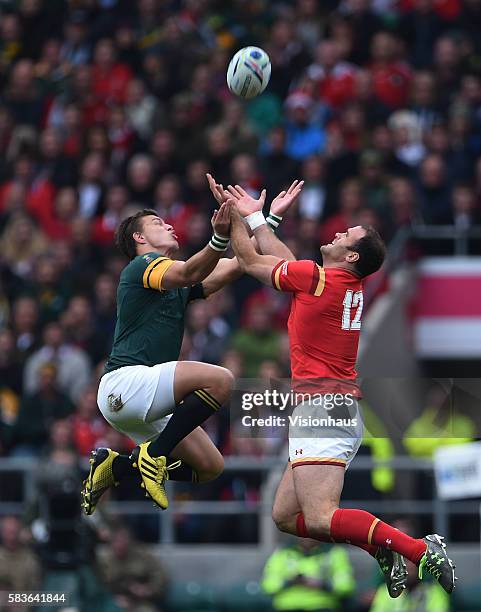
(124,236)
(372,251)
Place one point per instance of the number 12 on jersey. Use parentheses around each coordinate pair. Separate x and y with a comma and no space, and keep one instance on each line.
(352,301)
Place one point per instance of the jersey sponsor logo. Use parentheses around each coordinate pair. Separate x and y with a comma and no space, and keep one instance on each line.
(115,402)
(284,267)
(298,451)
(147,258)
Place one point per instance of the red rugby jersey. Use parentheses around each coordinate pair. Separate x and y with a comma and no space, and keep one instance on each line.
(325,319)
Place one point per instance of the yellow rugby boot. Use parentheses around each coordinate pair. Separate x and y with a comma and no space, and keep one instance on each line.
(154,472)
(100,478)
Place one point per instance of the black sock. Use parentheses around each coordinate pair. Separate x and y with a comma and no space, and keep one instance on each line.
(194,410)
(123,470)
(183,473)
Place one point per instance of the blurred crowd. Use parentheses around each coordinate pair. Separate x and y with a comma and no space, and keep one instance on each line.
(108,106)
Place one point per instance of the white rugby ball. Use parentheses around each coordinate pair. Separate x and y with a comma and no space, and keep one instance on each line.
(249,72)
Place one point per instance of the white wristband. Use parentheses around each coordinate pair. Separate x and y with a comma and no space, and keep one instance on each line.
(255,220)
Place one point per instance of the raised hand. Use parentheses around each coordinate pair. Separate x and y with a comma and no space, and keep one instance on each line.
(221,219)
(282,202)
(245,203)
(217,190)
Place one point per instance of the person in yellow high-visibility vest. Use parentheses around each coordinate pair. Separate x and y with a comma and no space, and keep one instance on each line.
(376,438)
(440,424)
(308,576)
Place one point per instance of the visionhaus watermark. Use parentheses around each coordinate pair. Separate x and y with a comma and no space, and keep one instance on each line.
(297,421)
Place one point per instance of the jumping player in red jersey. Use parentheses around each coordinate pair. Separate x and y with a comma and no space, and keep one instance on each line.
(324,327)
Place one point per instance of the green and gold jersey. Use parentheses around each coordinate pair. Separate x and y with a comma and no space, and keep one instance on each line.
(150,320)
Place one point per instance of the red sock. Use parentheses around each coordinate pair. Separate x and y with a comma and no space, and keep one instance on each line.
(302,533)
(358,525)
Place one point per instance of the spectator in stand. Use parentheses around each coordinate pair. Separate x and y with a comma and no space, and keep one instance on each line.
(197,192)
(140,180)
(312,199)
(10,42)
(50,294)
(19,567)
(407,138)
(164,151)
(288,56)
(72,363)
(208,334)
(363,24)
(79,329)
(464,212)
(22,243)
(239,129)
(91,185)
(304,137)
(59,227)
(116,201)
(22,95)
(402,203)
(258,341)
(277,168)
(88,425)
(219,149)
(110,79)
(309,247)
(39,192)
(391,76)
(142,109)
(10,365)
(310,20)
(121,137)
(25,325)
(434,190)
(37,413)
(132,575)
(424,100)
(335,79)
(105,304)
(52,164)
(243,172)
(421,27)
(447,68)
(373,183)
(75,49)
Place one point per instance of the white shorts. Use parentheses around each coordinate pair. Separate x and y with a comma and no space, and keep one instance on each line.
(126,396)
(315,442)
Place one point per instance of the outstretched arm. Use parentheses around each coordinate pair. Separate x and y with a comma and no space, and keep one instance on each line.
(199,266)
(268,242)
(258,266)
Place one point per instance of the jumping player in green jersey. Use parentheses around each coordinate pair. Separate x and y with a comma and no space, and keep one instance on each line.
(145,392)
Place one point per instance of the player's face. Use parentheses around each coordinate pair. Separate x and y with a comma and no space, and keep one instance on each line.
(339,249)
(159,234)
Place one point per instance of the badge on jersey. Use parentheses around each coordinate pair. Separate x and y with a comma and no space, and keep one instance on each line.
(115,402)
